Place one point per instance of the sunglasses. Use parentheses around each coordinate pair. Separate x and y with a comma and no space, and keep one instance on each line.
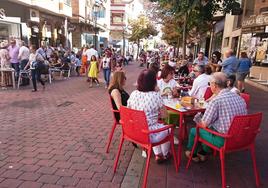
(209,84)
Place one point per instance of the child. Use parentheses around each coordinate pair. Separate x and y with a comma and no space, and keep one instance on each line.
(77,62)
(93,71)
(231,82)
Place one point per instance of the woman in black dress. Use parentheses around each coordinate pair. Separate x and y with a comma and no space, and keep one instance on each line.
(116,90)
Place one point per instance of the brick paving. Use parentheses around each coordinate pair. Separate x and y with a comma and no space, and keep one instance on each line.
(57,137)
(239,170)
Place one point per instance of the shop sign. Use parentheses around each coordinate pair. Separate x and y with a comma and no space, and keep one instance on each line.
(252,21)
(34,15)
(2,13)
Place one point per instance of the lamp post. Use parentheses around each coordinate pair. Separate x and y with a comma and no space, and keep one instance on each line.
(95,17)
(124,40)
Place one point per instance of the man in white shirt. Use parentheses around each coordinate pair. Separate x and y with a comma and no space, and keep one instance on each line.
(24,54)
(90,52)
(200,84)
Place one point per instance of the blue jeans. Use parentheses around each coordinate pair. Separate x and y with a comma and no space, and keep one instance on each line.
(16,66)
(106,74)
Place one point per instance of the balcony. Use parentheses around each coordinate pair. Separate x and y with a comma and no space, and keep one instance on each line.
(65,8)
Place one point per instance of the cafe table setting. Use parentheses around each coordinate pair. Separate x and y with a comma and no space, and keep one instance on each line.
(184,106)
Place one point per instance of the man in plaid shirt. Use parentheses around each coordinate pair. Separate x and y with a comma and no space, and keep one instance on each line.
(218,116)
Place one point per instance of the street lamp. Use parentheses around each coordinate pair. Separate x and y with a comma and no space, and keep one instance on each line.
(95,18)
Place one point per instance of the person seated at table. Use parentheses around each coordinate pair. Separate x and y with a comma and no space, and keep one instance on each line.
(154,67)
(231,84)
(116,90)
(147,99)
(168,87)
(167,84)
(219,113)
(200,84)
(183,70)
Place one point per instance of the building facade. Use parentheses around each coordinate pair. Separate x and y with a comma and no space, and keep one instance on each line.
(233,27)
(91,19)
(39,21)
(122,11)
(255,33)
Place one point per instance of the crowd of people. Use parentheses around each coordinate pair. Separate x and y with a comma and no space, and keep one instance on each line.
(164,78)
(18,57)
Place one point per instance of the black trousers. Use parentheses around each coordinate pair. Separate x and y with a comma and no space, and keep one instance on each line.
(36,75)
(25,81)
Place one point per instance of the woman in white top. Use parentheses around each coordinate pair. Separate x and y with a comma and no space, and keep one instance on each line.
(36,62)
(106,66)
(167,85)
(200,84)
(146,99)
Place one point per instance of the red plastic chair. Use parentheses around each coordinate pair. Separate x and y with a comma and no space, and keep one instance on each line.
(208,93)
(241,136)
(135,129)
(113,127)
(246,97)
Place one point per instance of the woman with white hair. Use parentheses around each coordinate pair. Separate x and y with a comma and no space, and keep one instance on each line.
(4,61)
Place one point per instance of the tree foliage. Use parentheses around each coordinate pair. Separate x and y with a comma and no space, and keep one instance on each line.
(141,28)
(196,14)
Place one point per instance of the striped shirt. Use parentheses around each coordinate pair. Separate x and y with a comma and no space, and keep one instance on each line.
(222,109)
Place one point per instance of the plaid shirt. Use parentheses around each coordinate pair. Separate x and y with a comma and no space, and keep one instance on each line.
(222,109)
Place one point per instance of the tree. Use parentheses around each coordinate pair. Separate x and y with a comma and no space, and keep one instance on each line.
(141,28)
(196,15)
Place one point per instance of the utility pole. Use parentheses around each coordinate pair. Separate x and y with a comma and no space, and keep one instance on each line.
(240,37)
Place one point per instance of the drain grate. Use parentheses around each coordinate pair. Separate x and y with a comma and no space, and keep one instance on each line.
(64,104)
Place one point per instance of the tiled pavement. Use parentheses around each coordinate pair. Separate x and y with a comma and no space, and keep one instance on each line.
(239,170)
(56,138)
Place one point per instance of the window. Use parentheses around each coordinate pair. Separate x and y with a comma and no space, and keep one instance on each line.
(68,2)
(116,1)
(102,13)
(263,10)
(117,18)
(226,42)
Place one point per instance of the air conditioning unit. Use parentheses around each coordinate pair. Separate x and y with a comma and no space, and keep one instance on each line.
(34,15)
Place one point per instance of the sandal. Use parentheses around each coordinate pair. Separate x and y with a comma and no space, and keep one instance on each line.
(194,158)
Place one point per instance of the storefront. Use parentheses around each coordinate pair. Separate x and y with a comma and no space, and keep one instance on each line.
(9,27)
(255,38)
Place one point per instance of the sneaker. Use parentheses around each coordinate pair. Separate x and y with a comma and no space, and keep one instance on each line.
(194,158)
(176,140)
(144,154)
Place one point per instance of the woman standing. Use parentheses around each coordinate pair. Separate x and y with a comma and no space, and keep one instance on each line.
(93,71)
(4,61)
(106,65)
(84,65)
(242,71)
(36,63)
(147,99)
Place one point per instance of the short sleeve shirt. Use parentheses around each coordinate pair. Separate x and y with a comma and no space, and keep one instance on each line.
(149,102)
(166,86)
(222,109)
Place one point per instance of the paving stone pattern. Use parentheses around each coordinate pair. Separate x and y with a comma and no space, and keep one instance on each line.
(239,169)
(57,137)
